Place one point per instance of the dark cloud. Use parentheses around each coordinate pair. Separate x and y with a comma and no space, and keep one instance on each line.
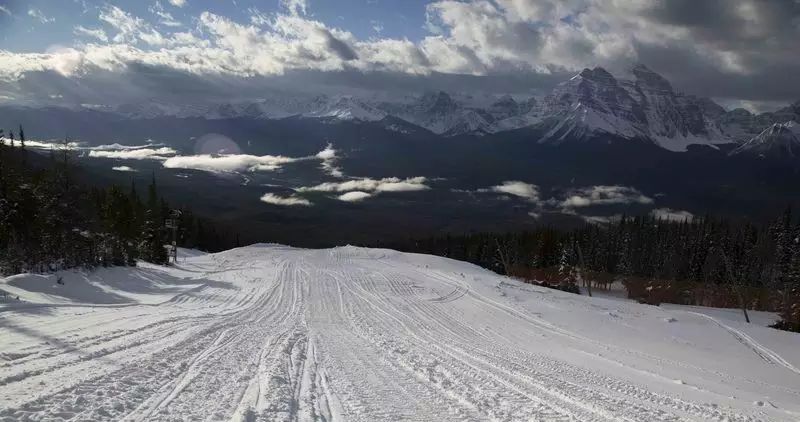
(694,73)
(143,83)
(730,49)
(760,38)
(339,47)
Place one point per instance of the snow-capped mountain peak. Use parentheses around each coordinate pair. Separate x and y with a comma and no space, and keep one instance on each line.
(781,140)
(640,104)
(645,106)
(348,108)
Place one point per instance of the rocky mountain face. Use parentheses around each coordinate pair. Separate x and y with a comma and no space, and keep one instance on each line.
(779,141)
(639,105)
(643,106)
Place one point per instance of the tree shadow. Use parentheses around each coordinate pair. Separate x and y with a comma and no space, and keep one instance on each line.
(66,347)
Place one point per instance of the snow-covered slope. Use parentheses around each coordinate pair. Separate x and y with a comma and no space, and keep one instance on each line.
(781,140)
(349,334)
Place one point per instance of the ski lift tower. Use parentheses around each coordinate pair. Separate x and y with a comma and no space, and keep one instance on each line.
(172,224)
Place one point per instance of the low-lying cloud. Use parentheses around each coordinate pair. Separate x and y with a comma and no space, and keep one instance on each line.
(329,159)
(228,163)
(163,153)
(601,219)
(518,189)
(39,145)
(286,201)
(355,196)
(389,184)
(124,169)
(604,195)
(214,163)
(120,147)
(668,214)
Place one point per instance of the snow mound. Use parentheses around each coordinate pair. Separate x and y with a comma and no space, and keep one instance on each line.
(146,284)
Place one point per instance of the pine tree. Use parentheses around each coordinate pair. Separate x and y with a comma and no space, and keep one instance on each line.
(153,248)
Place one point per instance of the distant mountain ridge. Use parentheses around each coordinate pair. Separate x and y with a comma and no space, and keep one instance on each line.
(781,141)
(640,105)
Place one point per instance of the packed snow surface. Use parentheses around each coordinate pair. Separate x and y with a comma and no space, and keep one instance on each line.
(271,333)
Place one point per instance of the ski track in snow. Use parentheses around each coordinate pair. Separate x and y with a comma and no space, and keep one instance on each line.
(759,349)
(351,334)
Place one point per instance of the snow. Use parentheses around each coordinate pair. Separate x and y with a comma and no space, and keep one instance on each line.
(269,332)
(783,138)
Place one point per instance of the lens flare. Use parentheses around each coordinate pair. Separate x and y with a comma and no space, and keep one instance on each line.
(214,143)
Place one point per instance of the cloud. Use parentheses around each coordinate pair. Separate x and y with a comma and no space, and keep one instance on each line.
(737,49)
(178,3)
(162,153)
(355,196)
(166,18)
(228,163)
(295,7)
(327,154)
(120,147)
(130,28)
(29,143)
(669,214)
(329,158)
(124,169)
(519,189)
(289,201)
(604,195)
(389,184)
(95,33)
(41,17)
(5,10)
(601,219)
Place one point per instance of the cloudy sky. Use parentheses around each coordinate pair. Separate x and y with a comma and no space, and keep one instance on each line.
(88,51)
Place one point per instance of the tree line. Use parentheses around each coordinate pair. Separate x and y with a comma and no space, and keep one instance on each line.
(705,261)
(49,221)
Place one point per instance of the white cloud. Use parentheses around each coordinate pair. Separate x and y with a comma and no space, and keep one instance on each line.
(257,17)
(5,10)
(389,184)
(29,143)
(355,196)
(289,201)
(520,189)
(329,158)
(476,37)
(601,219)
(95,33)
(166,18)
(228,163)
(163,153)
(327,154)
(120,147)
(604,195)
(124,169)
(41,17)
(669,214)
(295,7)
(130,28)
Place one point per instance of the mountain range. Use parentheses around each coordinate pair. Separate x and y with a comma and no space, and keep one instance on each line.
(593,105)
(640,105)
